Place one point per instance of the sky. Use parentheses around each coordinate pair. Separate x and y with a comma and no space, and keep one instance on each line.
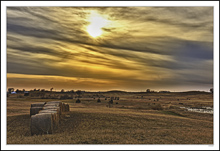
(110,48)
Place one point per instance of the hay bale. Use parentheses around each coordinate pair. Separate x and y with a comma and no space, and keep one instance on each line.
(55,108)
(35,110)
(67,107)
(58,103)
(40,104)
(55,117)
(63,107)
(54,102)
(52,105)
(111,101)
(41,124)
(78,101)
(98,100)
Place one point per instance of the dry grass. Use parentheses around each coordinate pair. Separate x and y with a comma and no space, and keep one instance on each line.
(131,121)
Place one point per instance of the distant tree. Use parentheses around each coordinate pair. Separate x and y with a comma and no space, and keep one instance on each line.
(72,91)
(211,90)
(42,90)
(10,90)
(78,92)
(62,90)
(23,90)
(148,90)
(35,89)
(17,90)
(51,89)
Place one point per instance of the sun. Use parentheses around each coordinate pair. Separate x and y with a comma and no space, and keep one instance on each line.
(97,22)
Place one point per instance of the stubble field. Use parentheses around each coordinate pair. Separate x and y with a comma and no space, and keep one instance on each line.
(136,118)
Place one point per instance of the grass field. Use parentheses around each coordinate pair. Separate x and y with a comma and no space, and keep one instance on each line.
(137,118)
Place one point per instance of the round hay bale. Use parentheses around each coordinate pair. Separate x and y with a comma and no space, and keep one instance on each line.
(111,101)
(53,105)
(63,107)
(53,108)
(40,104)
(98,100)
(41,124)
(78,101)
(35,110)
(55,117)
(56,103)
(66,107)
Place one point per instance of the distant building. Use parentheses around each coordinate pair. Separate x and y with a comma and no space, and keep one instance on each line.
(10,90)
(26,93)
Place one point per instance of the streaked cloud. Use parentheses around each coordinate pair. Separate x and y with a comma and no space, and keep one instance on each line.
(143,47)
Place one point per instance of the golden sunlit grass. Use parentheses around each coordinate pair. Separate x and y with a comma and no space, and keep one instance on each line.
(132,121)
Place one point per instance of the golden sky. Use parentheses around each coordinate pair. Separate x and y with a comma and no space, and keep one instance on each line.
(105,48)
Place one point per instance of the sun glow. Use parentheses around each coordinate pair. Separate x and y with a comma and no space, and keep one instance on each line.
(97,22)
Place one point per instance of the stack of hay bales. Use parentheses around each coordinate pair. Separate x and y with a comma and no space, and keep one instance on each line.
(45,117)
